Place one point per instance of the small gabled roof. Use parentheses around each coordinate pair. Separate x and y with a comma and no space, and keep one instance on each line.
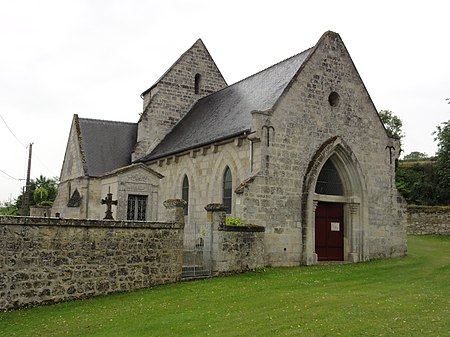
(106,145)
(200,42)
(133,167)
(227,113)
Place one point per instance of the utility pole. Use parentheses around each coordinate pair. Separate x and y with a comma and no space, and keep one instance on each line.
(26,195)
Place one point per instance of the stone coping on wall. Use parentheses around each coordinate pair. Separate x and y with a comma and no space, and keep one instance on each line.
(428,220)
(248,228)
(428,209)
(43,221)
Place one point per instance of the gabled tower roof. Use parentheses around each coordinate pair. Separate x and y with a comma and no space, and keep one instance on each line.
(227,112)
(198,42)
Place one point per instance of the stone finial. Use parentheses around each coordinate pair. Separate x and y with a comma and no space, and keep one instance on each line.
(216,214)
(175,210)
(215,207)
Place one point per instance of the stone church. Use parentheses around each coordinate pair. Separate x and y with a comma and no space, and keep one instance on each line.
(298,148)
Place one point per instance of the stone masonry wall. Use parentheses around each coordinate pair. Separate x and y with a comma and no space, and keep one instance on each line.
(237,251)
(428,221)
(234,249)
(44,260)
(204,169)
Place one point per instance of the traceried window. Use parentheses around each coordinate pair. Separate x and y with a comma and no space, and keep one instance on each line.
(227,190)
(185,193)
(137,206)
(198,79)
(329,181)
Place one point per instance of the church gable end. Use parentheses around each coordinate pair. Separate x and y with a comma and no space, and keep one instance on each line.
(327,100)
(192,76)
(329,82)
(74,164)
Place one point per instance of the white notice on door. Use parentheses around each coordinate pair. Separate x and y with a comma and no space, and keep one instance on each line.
(335,226)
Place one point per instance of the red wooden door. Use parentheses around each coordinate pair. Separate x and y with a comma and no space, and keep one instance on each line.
(330,231)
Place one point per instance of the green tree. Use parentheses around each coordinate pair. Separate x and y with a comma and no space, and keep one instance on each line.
(50,185)
(8,208)
(40,195)
(443,162)
(415,155)
(392,123)
(416,181)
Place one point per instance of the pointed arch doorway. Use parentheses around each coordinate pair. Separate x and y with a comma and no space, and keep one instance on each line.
(335,208)
(329,216)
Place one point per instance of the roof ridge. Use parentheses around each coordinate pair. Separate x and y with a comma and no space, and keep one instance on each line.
(273,65)
(105,121)
(259,72)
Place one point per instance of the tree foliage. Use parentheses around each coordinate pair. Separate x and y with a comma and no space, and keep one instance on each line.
(8,208)
(443,161)
(392,123)
(40,195)
(416,181)
(426,181)
(415,155)
(42,192)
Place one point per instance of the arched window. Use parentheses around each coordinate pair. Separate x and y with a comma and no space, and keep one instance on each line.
(227,190)
(329,181)
(198,79)
(185,193)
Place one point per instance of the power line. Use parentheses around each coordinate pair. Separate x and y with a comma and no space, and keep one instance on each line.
(11,132)
(26,147)
(10,176)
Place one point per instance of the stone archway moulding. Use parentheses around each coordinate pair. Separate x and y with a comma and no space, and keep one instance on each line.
(354,200)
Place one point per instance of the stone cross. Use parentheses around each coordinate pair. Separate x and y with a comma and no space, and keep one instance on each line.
(109,202)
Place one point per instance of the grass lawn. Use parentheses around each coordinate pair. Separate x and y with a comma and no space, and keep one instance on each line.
(407,296)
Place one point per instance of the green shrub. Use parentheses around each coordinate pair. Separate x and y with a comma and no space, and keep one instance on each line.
(234,222)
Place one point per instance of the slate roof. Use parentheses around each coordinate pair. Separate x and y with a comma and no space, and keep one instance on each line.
(107,145)
(227,113)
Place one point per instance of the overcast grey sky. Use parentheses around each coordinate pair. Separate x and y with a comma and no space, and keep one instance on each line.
(94,58)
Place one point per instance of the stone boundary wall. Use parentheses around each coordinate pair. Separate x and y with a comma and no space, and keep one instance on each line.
(428,220)
(46,260)
(237,251)
(234,249)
